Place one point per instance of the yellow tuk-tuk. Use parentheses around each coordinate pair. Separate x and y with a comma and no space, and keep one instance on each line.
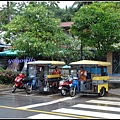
(41,73)
(97,77)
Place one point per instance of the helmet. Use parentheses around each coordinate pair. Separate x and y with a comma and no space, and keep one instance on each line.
(21,75)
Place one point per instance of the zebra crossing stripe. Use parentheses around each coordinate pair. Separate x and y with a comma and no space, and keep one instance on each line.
(104,102)
(109,98)
(46,116)
(89,113)
(95,111)
(47,103)
(97,107)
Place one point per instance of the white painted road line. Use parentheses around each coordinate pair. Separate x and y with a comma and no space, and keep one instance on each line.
(88,113)
(97,107)
(109,98)
(104,102)
(46,116)
(96,110)
(49,103)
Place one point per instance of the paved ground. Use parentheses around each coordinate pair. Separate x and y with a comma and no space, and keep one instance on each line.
(114,87)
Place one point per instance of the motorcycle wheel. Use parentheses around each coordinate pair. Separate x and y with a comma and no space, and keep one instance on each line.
(72,91)
(28,89)
(63,92)
(13,89)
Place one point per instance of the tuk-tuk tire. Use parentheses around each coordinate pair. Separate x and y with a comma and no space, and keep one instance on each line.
(55,89)
(102,92)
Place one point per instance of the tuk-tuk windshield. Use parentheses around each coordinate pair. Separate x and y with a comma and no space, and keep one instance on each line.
(32,71)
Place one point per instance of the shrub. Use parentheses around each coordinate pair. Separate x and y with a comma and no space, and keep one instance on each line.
(1,68)
(7,76)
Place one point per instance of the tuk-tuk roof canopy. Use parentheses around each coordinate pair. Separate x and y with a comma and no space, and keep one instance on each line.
(41,62)
(91,62)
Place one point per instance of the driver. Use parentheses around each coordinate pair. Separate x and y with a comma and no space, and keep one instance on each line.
(56,71)
(82,75)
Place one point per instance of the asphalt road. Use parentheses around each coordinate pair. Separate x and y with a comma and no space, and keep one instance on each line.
(54,106)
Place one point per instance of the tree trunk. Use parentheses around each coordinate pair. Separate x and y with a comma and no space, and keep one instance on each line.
(8,10)
(81,50)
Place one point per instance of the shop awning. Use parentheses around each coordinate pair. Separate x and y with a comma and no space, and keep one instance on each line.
(3,45)
(2,53)
(8,53)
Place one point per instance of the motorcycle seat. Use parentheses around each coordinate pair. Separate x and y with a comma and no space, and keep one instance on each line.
(27,79)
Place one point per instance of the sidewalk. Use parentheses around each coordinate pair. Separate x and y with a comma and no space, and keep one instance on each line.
(114,86)
(115,91)
(5,87)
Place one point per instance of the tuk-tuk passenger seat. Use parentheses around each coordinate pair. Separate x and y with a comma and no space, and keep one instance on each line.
(88,81)
(88,75)
(104,74)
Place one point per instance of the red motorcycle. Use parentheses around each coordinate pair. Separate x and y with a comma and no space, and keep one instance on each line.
(18,82)
(64,85)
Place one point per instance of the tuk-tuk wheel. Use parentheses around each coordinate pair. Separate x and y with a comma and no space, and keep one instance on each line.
(55,89)
(102,92)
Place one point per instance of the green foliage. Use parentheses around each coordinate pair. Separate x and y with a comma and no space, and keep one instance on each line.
(13,10)
(35,31)
(1,68)
(7,76)
(98,26)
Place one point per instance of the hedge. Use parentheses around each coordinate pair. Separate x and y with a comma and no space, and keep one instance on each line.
(7,76)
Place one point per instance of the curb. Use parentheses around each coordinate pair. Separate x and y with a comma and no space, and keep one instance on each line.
(115,91)
(5,87)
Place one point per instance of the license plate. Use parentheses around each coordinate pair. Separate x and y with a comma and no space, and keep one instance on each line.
(45,89)
(60,88)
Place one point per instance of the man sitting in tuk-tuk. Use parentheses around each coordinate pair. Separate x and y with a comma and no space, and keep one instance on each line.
(82,76)
(55,72)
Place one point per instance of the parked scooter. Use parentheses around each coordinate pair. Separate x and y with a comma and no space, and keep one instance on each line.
(74,87)
(64,85)
(31,84)
(18,83)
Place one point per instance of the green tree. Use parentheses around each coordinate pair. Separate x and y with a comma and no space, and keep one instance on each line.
(78,4)
(98,26)
(35,32)
(9,10)
(64,14)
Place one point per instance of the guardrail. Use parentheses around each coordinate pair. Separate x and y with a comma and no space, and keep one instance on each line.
(114,76)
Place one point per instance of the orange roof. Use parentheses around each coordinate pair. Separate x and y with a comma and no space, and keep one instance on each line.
(66,24)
